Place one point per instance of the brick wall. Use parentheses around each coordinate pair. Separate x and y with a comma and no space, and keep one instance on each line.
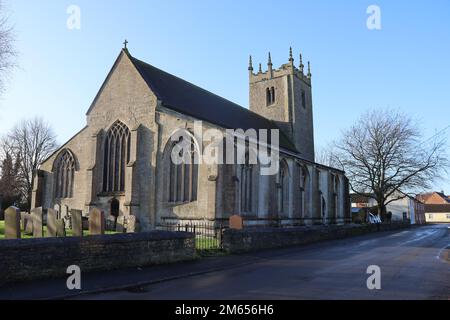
(22,260)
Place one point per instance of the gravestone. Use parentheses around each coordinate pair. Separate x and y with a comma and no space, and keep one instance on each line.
(12,223)
(96,222)
(65,215)
(236,222)
(60,228)
(51,223)
(131,224)
(24,220)
(57,208)
(38,227)
(85,223)
(120,226)
(77,223)
(28,224)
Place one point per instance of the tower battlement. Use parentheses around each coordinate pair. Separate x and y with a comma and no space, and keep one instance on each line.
(284,95)
(300,72)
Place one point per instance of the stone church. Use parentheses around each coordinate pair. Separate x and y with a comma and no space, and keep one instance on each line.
(120,161)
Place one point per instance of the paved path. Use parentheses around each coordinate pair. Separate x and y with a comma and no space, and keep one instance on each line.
(411,262)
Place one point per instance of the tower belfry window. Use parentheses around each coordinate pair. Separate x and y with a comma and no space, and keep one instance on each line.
(270,96)
(304,99)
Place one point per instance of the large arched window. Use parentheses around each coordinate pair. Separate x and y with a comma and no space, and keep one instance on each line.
(64,171)
(183,175)
(116,157)
(283,187)
(246,185)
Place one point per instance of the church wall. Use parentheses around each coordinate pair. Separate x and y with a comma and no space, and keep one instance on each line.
(125,97)
(78,147)
(303,122)
(205,206)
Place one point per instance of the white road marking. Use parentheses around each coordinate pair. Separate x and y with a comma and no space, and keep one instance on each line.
(442,250)
(420,236)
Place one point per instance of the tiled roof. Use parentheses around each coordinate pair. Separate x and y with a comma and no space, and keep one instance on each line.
(187,98)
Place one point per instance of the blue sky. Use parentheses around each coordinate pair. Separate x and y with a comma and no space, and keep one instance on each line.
(404,65)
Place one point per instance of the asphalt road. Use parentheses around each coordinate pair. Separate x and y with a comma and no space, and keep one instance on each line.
(412,264)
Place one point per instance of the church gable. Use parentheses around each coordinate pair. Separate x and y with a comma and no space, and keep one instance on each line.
(124,95)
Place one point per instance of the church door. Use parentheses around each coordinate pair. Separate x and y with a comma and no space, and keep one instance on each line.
(115,205)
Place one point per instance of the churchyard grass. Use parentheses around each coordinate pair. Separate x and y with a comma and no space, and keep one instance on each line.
(24,236)
(206,243)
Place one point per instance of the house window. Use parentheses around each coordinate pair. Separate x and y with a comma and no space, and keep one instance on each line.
(64,174)
(183,176)
(270,96)
(116,157)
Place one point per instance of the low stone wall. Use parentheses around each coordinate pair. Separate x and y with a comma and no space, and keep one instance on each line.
(253,239)
(22,260)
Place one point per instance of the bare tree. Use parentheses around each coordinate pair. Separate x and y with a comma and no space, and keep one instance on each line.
(327,155)
(7,52)
(385,157)
(31,142)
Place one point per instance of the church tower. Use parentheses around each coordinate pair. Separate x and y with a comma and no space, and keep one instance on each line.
(284,95)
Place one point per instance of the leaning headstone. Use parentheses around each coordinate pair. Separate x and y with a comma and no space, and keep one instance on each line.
(64,211)
(110,224)
(12,223)
(51,223)
(96,222)
(131,224)
(28,223)
(60,228)
(77,223)
(24,220)
(120,225)
(236,222)
(38,228)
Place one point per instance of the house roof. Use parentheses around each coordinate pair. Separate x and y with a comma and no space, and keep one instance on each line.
(364,198)
(437,208)
(426,196)
(358,198)
(187,98)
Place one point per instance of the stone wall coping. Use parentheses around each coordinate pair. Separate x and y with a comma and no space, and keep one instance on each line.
(98,239)
(257,229)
